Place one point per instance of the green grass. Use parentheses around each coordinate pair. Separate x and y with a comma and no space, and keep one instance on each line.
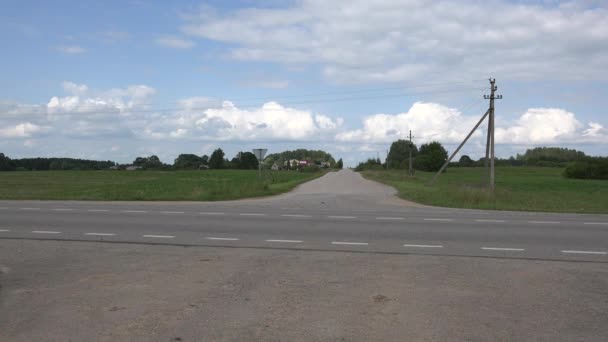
(208,185)
(517,188)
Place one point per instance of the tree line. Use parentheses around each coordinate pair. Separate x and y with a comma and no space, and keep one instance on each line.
(217,160)
(431,156)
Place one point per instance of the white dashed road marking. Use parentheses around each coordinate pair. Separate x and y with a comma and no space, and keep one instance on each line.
(544,222)
(5,230)
(159,236)
(100,234)
(29,208)
(287,241)
(349,243)
(251,214)
(389,218)
(221,238)
(424,246)
(438,219)
(45,232)
(585,252)
(503,249)
(133,211)
(342,217)
(598,223)
(295,215)
(494,221)
(210,213)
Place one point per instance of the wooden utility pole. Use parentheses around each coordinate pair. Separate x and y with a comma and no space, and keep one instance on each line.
(490,141)
(410,170)
(490,144)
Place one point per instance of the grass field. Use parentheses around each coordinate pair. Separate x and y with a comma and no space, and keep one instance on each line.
(208,185)
(517,188)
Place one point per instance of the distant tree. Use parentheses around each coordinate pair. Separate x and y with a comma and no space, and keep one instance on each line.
(187,161)
(205,160)
(6,164)
(466,161)
(248,161)
(399,153)
(370,164)
(152,162)
(431,157)
(339,164)
(216,161)
(589,168)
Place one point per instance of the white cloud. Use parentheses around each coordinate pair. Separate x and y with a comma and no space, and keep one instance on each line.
(75,89)
(431,121)
(377,40)
(174,42)
(22,130)
(74,49)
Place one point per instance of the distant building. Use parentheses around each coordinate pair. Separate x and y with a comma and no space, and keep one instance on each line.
(133,168)
(275,167)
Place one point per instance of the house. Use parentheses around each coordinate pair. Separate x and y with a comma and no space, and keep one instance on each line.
(133,168)
(275,167)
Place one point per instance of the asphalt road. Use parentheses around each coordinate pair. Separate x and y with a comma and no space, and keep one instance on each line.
(341,211)
(339,259)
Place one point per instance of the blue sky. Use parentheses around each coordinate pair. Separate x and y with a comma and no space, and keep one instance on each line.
(119,79)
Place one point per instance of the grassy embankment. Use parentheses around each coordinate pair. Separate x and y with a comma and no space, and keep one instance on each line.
(208,185)
(517,188)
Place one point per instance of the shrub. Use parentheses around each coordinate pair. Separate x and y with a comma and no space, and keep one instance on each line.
(590,168)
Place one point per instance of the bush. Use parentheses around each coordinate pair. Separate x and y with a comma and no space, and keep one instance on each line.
(590,168)
(310,168)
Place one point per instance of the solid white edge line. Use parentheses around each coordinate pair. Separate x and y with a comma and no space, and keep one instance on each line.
(211,213)
(496,221)
(602,223)
(251,214)
(295,215)
(221,239)
(341,217)
(287,241)
(439,219)
(502,249)
(424,246)
(389,218)
(160,236)
(585,252)
(100,234)
(45,232)
(172,212)
(545,222)
(349,243)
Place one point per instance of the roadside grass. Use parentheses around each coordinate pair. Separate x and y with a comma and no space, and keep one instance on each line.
(207,185)
(517,188)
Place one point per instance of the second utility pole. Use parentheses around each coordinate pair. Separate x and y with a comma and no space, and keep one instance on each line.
(490,144)
(410,170)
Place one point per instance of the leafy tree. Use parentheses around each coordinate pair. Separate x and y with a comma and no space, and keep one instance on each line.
(147,163)
(205,160)
(589,168)
(398,154)
(248,160)
(465,161)
(370,164)
(550,156)
(216,161)
(6,164)
(339,164)
(187,161)
(431,157)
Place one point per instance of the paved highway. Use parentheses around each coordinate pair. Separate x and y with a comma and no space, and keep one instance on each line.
(340,211)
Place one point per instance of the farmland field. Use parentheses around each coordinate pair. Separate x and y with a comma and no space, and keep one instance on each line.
(208,185)
(517,188)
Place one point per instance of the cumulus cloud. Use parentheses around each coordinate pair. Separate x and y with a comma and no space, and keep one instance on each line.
(174,42)
(72,50)
(22,130)
(358,41)
(431,121)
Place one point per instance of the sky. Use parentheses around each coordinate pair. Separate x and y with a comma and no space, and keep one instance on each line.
(113,80)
